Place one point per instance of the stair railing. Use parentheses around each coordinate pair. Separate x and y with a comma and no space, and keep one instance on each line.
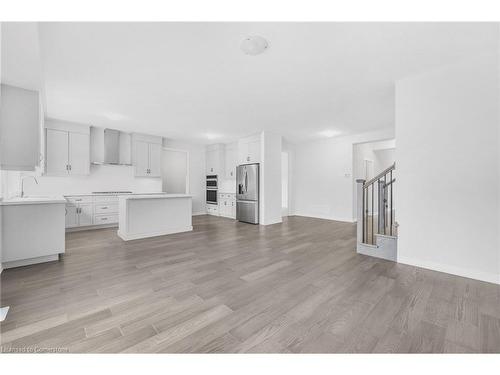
(375,203)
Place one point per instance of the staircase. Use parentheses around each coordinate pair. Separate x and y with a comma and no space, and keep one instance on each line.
(377,228)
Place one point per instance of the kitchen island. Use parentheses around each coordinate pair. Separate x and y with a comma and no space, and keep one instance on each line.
(142,216)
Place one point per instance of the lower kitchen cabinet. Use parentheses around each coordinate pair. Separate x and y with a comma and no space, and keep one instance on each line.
(84,211)
(227,205)
(71,217)
(78,215)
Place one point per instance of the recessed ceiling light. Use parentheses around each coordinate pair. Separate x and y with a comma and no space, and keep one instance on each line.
(329,133)
(254,45)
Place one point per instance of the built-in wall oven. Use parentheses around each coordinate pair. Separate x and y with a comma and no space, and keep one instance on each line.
(212,187)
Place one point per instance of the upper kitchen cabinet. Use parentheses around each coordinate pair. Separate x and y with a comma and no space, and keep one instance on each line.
(20,127)
(231,160)
(67,148)
(146,155)
(215,160)
(249,150)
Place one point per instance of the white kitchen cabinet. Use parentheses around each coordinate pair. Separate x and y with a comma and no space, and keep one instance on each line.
(141,159)
(212,209)
(147,156)
(20,120)
(56,155)
(87,210)
(215,160)
(85,214)
(71,217)
(67,149)
(154,160)
(79,154)
(249,150)
(231,160)
(227,205)
(79,214)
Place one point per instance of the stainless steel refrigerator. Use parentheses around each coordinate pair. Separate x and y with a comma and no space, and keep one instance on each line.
(247,193)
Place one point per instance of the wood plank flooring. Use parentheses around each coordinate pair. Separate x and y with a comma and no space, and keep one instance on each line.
(230,287)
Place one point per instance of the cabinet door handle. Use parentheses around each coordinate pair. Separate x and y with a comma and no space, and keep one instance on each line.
(104,208)
(104,218)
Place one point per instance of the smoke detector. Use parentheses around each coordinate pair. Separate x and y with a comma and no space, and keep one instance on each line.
(254,45)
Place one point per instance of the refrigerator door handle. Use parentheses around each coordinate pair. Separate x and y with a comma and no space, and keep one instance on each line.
(246,182)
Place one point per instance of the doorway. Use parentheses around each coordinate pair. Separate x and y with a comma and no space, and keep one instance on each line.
(175,171)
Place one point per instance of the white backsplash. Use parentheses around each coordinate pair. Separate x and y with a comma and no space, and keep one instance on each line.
(227,186)
(101,178)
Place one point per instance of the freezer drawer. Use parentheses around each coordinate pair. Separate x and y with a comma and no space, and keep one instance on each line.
(247,211)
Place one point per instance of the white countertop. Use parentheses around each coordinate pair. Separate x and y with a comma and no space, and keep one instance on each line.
(107,194)
(154,196)
(33,200)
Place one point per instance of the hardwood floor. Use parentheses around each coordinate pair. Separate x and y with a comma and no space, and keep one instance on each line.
(232,287)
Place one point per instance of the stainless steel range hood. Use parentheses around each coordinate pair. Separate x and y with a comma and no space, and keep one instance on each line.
(110,146)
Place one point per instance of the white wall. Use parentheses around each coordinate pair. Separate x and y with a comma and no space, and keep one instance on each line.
(270,182)
(322,176)
(448,165)
(196,171)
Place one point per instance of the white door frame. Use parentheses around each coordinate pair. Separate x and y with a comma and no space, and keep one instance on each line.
(187,164)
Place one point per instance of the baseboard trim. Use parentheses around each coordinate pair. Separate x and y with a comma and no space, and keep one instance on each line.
(137,236)
(27,262)
(91,227)
(452,270)
(199,213)
(324,217)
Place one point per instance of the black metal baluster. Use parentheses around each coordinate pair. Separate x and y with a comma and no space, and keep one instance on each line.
(373,187)
(363,216)
(392,186)
(384,200)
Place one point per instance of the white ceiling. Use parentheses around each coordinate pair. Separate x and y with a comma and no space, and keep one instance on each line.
(187,80)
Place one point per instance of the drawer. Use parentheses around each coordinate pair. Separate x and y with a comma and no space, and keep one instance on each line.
(79,199)
(212,210)
(106,199)
(105,208)
(105,219)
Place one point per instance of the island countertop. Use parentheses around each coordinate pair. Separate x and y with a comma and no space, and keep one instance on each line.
(154,196)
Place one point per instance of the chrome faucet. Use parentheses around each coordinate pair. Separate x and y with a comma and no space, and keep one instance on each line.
(22,183)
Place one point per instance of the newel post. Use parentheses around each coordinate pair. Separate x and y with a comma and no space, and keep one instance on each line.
(360,208)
